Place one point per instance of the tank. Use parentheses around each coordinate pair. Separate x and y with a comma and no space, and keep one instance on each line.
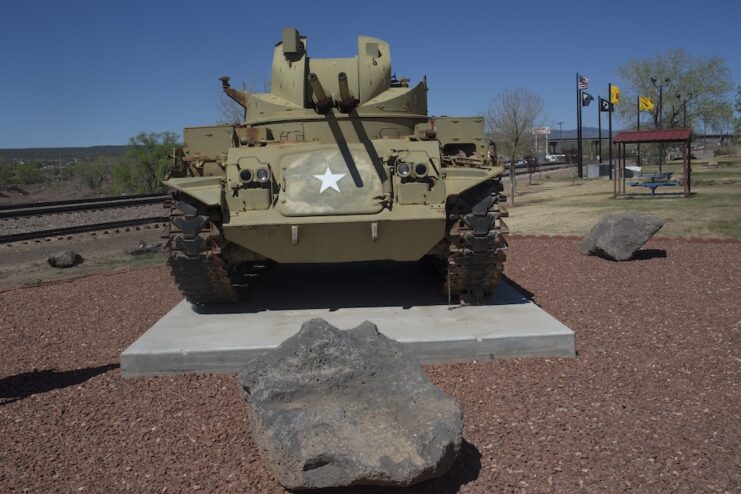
(338,163)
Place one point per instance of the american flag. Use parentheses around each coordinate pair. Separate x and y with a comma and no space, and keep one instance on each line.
(583,82)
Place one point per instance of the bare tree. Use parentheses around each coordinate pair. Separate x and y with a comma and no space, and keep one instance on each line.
(510,119)
(232,112)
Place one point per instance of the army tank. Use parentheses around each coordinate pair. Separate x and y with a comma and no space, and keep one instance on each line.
(338,162)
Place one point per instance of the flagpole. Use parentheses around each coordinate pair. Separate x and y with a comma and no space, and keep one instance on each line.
(578,130)
(638,119)
(599,127)
(609,124)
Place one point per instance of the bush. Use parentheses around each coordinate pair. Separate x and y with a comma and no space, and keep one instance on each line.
(90,173)
(147,160)
(27,173)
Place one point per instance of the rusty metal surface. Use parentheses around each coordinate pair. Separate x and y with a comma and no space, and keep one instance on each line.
(657,135)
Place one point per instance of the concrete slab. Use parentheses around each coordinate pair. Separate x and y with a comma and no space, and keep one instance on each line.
(402,299)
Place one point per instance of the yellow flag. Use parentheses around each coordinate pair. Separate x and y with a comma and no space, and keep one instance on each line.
(614,95)
(645,104)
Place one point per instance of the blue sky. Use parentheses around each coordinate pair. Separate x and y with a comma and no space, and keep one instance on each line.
(82,73)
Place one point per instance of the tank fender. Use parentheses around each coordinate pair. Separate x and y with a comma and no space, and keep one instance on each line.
(459,179)
(205,189)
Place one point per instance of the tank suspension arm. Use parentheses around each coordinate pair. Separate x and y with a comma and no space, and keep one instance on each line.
(347,102)
(238,96)
(323,102)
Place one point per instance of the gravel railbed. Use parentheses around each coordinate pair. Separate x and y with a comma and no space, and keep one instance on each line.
(651,403)
(25,224)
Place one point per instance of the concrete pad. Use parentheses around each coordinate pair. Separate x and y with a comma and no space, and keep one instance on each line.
(402,299)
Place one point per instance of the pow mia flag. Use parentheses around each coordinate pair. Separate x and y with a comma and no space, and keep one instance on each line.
(586,98)
(604,105)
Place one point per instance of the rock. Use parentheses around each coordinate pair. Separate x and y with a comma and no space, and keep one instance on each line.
(66,259)
(618,236)
(145,248)
(331,408)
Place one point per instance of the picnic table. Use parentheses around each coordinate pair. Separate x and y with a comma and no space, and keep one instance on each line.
(655,180)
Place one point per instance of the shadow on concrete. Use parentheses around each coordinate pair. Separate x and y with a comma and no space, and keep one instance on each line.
(465,469)
(645,254)
(19,386)
(526,294)
(351,285)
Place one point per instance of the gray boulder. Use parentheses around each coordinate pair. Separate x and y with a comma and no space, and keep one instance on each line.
(618,236)
(66,259)
(331,408)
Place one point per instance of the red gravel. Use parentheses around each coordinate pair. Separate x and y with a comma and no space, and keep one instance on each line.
(651,404)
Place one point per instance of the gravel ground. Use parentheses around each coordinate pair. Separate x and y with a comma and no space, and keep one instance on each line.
(76,218)
(651,403)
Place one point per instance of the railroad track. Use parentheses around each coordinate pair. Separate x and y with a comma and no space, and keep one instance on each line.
(64,232)
(55,207)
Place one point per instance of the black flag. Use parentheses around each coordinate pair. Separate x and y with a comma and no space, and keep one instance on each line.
(586,98)
(604,105)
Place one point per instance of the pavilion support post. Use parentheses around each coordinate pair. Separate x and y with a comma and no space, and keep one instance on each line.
(613,176)
(623,172)
(686,169)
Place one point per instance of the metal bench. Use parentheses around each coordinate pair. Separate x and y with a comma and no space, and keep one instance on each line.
(654,185)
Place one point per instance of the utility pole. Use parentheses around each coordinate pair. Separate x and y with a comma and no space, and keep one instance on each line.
(684,107)
(661,86)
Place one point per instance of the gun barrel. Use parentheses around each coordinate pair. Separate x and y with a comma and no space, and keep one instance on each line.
(347,102)
(238,96)
(323,102)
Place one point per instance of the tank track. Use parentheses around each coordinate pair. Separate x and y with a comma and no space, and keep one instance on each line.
(195,242)
(475,243)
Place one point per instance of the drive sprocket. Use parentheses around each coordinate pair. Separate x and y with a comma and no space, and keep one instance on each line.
(195,242)
(474,254)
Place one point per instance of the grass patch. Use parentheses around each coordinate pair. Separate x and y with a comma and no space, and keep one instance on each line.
(556,207)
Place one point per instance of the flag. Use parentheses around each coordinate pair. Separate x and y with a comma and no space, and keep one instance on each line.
(583,82)
(586,98)
(604,105)
(645,104)
(614,95)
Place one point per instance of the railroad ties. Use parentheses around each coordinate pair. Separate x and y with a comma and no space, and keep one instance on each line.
(12,211)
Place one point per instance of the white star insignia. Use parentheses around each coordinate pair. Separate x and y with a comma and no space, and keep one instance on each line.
(329,180)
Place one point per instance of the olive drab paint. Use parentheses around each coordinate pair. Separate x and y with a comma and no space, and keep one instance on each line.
(322,153)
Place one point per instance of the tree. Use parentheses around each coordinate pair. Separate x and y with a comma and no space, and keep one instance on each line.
(232,112)
(146,161)
(737,124)
(703,83)
(90,173)
(510,119)
(6,174)
(28,173)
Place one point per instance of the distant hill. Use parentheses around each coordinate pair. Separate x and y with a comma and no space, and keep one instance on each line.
(61,154)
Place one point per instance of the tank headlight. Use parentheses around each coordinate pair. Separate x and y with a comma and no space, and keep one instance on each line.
(404,170)
(420,170)
(245,175)
(262,175)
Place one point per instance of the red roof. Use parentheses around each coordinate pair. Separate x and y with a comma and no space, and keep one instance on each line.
(658,135)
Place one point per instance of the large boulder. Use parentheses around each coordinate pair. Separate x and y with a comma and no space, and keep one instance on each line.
(66,259)
(618,236)
(331,408)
